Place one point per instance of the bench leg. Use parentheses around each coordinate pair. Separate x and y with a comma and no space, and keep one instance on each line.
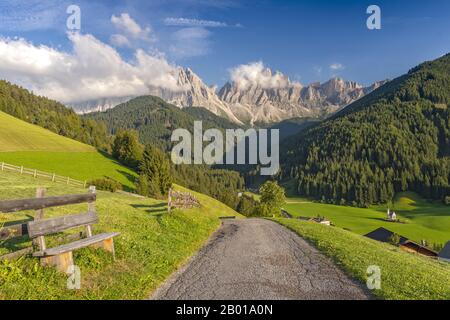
(61,262)
(107,245)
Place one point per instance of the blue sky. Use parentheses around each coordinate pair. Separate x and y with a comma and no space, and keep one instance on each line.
(302,39)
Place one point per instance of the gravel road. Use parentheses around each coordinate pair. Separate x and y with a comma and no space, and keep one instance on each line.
(259,259)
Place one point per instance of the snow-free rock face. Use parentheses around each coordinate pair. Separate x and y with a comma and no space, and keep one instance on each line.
(253,102)
(257,104)
(195,93)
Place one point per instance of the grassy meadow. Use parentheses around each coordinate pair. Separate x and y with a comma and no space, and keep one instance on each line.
(403,276)
(24,144)
(421,220)
(152,244)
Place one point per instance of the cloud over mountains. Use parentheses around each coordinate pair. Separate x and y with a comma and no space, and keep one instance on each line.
(92,70)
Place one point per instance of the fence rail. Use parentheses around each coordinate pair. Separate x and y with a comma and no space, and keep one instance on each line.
(42,174)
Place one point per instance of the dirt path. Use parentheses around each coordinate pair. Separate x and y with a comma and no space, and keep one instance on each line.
(259,259)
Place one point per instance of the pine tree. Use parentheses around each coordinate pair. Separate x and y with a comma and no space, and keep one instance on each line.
(155,174)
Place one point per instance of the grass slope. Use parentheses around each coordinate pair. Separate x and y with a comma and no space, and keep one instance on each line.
(27,145)
(423,220)
(151,246)
(18,135)
(403,275)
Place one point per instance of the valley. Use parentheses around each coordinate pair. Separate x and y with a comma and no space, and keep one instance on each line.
(420,219)
(346,153)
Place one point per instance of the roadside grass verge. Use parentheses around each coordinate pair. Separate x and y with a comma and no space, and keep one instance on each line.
(404,276)
(152,244)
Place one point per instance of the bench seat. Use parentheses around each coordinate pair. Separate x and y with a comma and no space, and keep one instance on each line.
(86,242)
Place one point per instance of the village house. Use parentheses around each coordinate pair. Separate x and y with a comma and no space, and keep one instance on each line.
(391,215)
(321,220)
(385,235)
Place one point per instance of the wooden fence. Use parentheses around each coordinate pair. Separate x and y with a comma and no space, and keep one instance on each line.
(182,200)
(41,174)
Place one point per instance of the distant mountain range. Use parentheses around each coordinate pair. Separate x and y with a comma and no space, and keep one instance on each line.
(252,104)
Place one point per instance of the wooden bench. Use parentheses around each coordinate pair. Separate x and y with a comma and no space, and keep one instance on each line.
(61,256)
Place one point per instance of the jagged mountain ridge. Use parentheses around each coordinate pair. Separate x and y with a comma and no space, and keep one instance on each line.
(253,104)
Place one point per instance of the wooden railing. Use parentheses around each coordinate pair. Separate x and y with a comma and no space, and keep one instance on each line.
(181,200)
(41,174)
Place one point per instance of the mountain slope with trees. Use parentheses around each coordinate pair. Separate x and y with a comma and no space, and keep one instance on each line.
(154,120)
(394,139)
(51,115)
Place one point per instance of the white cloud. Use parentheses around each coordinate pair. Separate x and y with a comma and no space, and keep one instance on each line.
(120,40)
(93,70)
(185,22)
(256,73)
(190,42)
(337,66)
(127,25)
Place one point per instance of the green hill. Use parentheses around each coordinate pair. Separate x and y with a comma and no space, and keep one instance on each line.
(394,139)
(154,119)
(17,135)
(52,115)
(27,145)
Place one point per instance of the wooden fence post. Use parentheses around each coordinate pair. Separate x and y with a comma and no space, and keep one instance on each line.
(21,170)
(35,173)
(169,201)
(40,241)
(91,208)
(3,166)
(53,177)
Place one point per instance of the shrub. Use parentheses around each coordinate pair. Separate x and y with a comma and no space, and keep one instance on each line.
(394,239)
(247,205)
(106,184)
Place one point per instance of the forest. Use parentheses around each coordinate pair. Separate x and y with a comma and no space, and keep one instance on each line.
(395,139)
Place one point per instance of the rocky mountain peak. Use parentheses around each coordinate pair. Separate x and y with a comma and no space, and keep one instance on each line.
(273,98)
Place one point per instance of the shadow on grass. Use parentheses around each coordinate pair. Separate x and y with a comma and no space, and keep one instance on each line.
(156,210)
(127,175)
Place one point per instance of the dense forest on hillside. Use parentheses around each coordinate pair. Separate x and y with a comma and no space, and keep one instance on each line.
(51,115)
(394,139)
(154,120)
(223,185)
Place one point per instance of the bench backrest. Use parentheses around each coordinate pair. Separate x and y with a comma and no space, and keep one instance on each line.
(9,206)
(44,227)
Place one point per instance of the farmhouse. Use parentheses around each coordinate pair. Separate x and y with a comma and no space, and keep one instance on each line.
(412,247)
(445,253)
(385,235)
(321,220)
